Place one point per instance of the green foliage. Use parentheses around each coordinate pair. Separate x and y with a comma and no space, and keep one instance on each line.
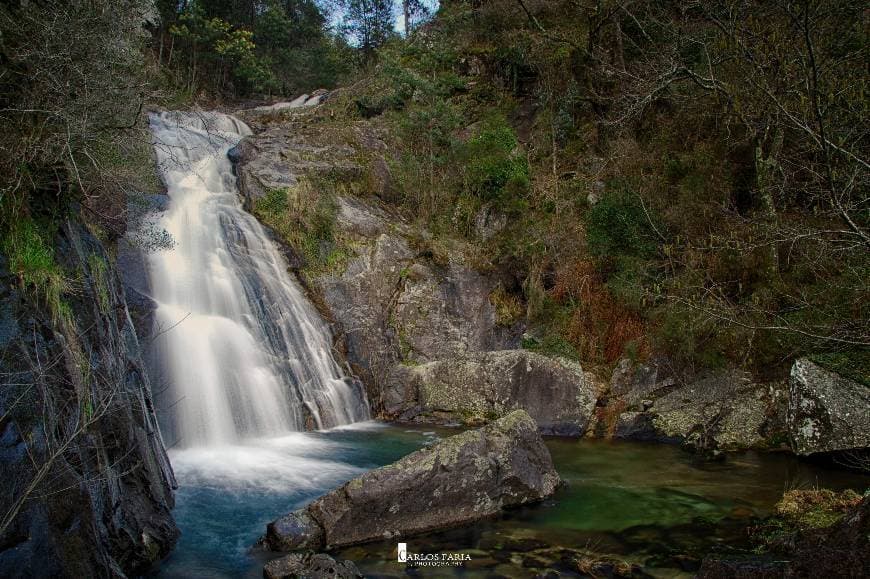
(852,364)
(618,225)
(495,168)
(219,47)
(31,257)
(305,218)
(553,345)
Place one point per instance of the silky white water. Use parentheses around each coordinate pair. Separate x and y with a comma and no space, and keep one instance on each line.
(243,353)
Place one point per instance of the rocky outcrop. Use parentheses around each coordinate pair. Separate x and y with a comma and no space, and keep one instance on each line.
(456,481)
(722,410)
(483,385)
(826,412)
(85,472)
(310,565)
(414,317)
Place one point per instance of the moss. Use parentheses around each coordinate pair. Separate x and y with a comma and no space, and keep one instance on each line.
(802,511)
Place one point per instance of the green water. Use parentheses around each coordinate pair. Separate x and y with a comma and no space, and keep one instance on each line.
(645,503)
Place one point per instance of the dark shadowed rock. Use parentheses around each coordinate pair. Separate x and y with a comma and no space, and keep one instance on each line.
(456,481)
(743,567)
(103,508)
(826,412)
(794,547)
(310,565)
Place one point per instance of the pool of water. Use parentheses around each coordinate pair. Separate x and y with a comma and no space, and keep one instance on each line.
(644,503)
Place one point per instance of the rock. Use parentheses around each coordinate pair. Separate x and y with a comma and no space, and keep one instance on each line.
(826,412)
(104,507)
(722,410)
(596,192)
(637,384)
(458,480)
(396,297)
(742,567)
(556,393)
(808,538)
(488,222)
(310,565)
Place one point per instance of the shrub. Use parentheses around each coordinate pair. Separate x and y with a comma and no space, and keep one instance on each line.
(495,170)
(620,225)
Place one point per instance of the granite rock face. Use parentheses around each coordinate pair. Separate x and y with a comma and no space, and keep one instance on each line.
(458,480)
(78,403)
(479,386)
(713,411)
(826,412)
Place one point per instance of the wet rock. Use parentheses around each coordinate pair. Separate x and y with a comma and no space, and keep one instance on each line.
(557,393)
(826,412)
(742,567)
(456,481)
(104,506)
(597,566)
(310,565)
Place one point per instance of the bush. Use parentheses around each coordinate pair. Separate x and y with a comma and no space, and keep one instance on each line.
(619,225)
(495,169)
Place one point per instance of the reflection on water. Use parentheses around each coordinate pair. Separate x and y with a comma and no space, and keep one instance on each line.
(651,504)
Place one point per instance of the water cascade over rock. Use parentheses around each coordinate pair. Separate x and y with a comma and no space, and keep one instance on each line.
(244,354)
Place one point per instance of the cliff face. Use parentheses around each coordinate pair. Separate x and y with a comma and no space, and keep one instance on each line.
(87,486)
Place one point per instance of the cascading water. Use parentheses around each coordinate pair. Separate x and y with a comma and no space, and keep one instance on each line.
(244,353)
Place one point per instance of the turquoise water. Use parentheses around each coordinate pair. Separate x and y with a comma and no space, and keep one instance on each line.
(645,503)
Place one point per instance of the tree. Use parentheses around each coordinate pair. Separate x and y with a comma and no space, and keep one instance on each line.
(413,10)
(369,23)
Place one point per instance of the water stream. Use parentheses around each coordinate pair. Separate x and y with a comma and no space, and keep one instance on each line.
(243,352)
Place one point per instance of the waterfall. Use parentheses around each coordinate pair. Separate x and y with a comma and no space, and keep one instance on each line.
(242,352)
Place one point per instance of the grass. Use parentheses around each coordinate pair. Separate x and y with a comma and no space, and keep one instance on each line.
(31,259)
(509,308)
(99,268)
(304,216)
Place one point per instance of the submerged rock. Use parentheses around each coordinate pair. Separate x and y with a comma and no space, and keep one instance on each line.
(826,412)
(310,565)
(456,481)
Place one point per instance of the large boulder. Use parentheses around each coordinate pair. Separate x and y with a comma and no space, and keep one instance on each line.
(309,565)
(712,411)
(826,411)
(481,386)
(456,481)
